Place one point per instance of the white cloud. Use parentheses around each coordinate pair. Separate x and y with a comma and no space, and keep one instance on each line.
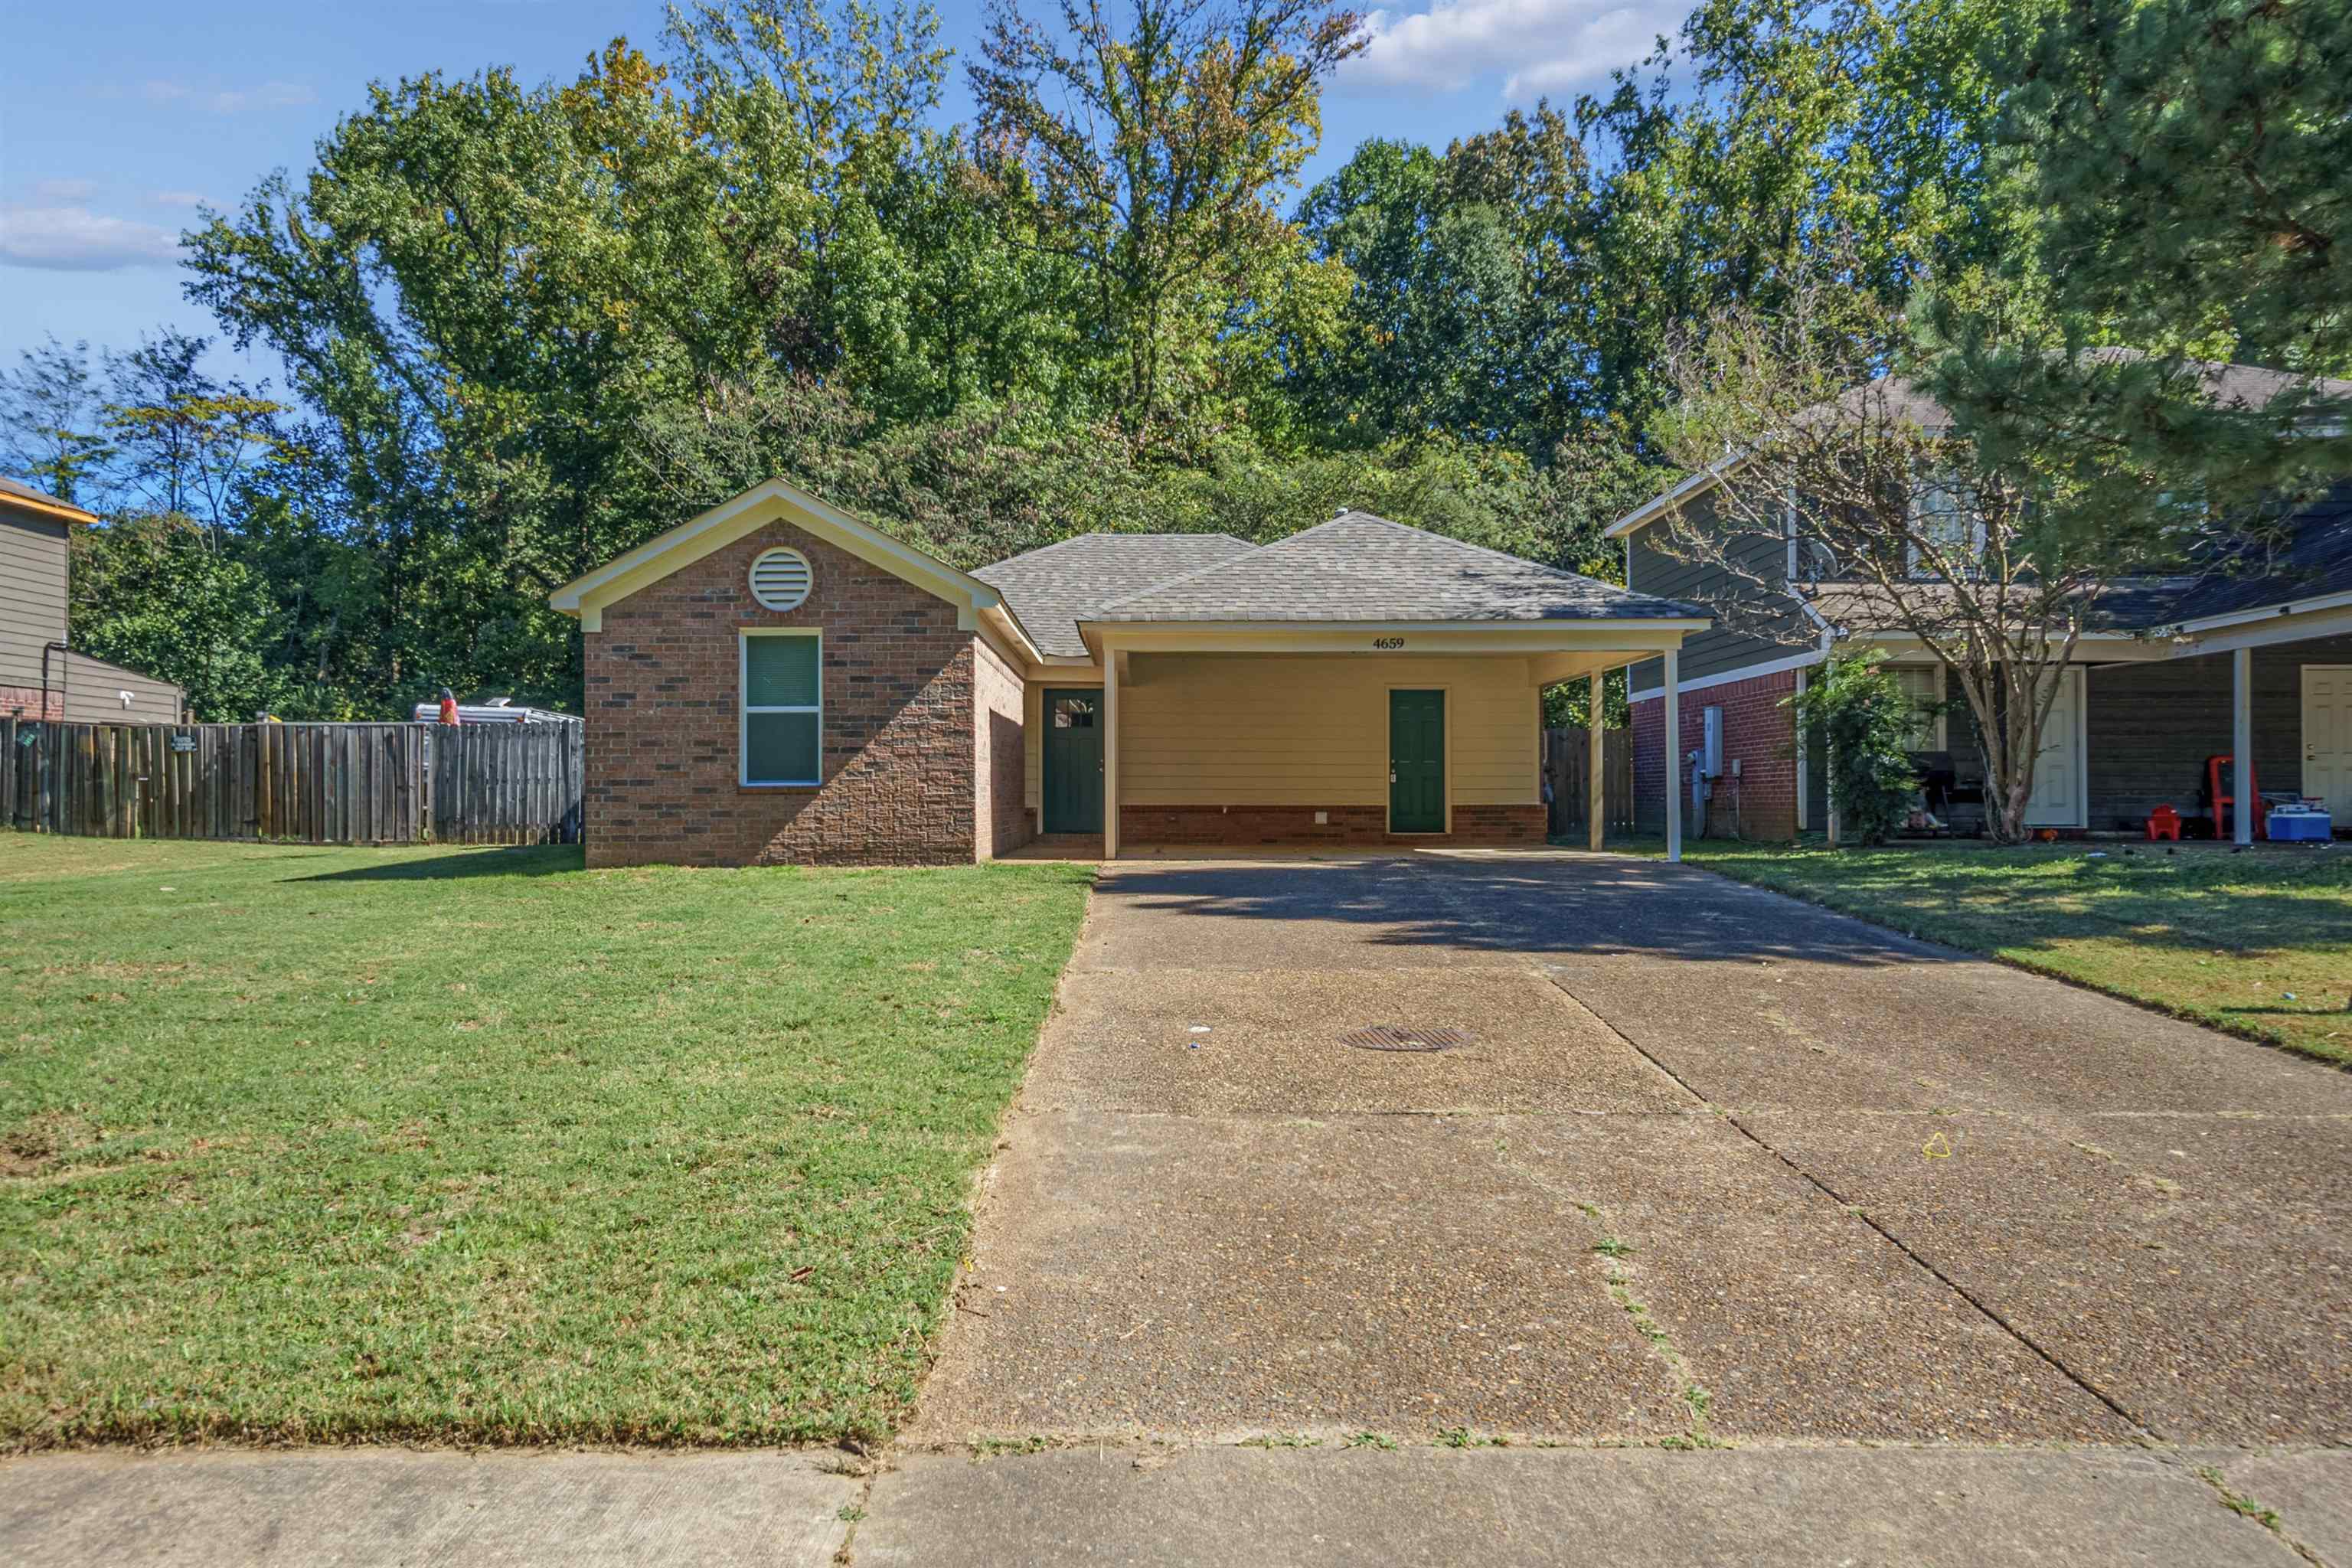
(64,189)
(76,239)
(1535,46)
(177,199)
(231,100)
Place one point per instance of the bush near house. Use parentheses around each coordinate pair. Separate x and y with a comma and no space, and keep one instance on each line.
(477,1146)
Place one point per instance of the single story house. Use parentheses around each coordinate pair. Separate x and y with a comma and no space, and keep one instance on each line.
(777,680)
(2170,674)
(42,675)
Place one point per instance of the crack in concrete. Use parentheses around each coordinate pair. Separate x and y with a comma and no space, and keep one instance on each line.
(1618,1280)
(2247,1508)
(2138,1426)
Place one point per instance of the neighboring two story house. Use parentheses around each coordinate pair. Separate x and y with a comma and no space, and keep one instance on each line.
(41,677)
(2170,674)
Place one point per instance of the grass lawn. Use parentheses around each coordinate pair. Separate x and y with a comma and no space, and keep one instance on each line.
(475,1145)
(2259,944)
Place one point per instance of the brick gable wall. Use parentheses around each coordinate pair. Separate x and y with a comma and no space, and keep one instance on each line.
(1757,731)
(900,742)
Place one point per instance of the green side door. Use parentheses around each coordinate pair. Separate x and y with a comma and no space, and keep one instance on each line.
(1073,761)
(1416,761)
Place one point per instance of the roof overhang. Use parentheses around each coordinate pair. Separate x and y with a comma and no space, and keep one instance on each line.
(45,507)
(1630,637)
(978,605)
(1664,501)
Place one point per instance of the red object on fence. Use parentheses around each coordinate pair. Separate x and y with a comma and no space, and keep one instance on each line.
(2163,823)
(448,706)
(2222,826)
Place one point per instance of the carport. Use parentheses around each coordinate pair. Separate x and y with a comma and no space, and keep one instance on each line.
(1361,683)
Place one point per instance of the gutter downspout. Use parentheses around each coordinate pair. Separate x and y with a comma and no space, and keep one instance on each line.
(63,694)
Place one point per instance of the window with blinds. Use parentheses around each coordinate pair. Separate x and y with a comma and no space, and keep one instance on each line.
(783,707)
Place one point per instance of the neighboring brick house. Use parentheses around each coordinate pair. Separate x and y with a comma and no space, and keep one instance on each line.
(41,675)
(2170,674)
(778,681)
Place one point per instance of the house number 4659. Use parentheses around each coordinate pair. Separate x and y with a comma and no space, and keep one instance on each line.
(1388,642)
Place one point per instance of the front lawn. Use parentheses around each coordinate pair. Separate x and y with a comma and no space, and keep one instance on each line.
(2259,944)
(475,1145)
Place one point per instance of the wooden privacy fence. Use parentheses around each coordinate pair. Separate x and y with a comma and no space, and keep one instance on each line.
(1566,760)
(310,783)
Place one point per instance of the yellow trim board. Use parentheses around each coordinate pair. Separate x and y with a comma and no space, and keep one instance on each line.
(48,507)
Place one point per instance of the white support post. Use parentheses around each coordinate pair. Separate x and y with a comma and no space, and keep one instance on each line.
(1596,780)
(2242,745)
(1672,716)
(1110,752)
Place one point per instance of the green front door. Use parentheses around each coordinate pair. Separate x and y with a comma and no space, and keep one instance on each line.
(1073,755)
(1416,761)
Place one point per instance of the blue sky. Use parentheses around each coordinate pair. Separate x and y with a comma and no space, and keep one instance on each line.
(116,123)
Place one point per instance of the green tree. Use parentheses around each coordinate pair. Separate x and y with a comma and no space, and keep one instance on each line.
(1433,336)
(1147,151)
(149,592)
(1792,131)
(2177,169)
(49,420)
(180,442)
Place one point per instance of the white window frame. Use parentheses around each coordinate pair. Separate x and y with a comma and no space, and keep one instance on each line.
(1937,734)
(1915,565)
(744,710)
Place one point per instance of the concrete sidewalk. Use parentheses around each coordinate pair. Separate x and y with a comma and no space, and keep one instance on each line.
(378,1508)
(1151,1505)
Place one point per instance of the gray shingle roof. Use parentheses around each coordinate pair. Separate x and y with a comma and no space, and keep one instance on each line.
(2315,559)
(1048,589)
(18,489)
(1358,567)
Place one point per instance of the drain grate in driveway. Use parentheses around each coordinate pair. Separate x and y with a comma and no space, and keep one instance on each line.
(1404,1038)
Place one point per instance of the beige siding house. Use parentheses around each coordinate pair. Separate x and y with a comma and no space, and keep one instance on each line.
(779,680)
(40,676)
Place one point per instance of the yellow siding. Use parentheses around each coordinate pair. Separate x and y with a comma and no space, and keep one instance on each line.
(1258,729)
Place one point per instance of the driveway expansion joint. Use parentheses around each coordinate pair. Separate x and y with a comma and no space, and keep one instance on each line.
(2138,1426)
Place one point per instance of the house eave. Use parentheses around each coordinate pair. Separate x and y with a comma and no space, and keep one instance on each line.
(1594,634)
(587,596)
(1664,501)
(47,508)
(2259,612)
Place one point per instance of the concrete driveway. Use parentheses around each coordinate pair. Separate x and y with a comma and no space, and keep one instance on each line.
(1714,1166)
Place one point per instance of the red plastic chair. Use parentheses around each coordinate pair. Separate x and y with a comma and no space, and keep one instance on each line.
(2214,768)
(2163,823)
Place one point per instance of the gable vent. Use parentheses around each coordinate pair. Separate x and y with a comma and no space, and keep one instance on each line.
(780,579)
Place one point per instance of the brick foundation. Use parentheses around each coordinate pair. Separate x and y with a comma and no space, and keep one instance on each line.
(29,702)
(1353,826)
(1757,731)
(901,736)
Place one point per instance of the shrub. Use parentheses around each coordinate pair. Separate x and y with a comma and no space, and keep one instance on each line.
(1868,721)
